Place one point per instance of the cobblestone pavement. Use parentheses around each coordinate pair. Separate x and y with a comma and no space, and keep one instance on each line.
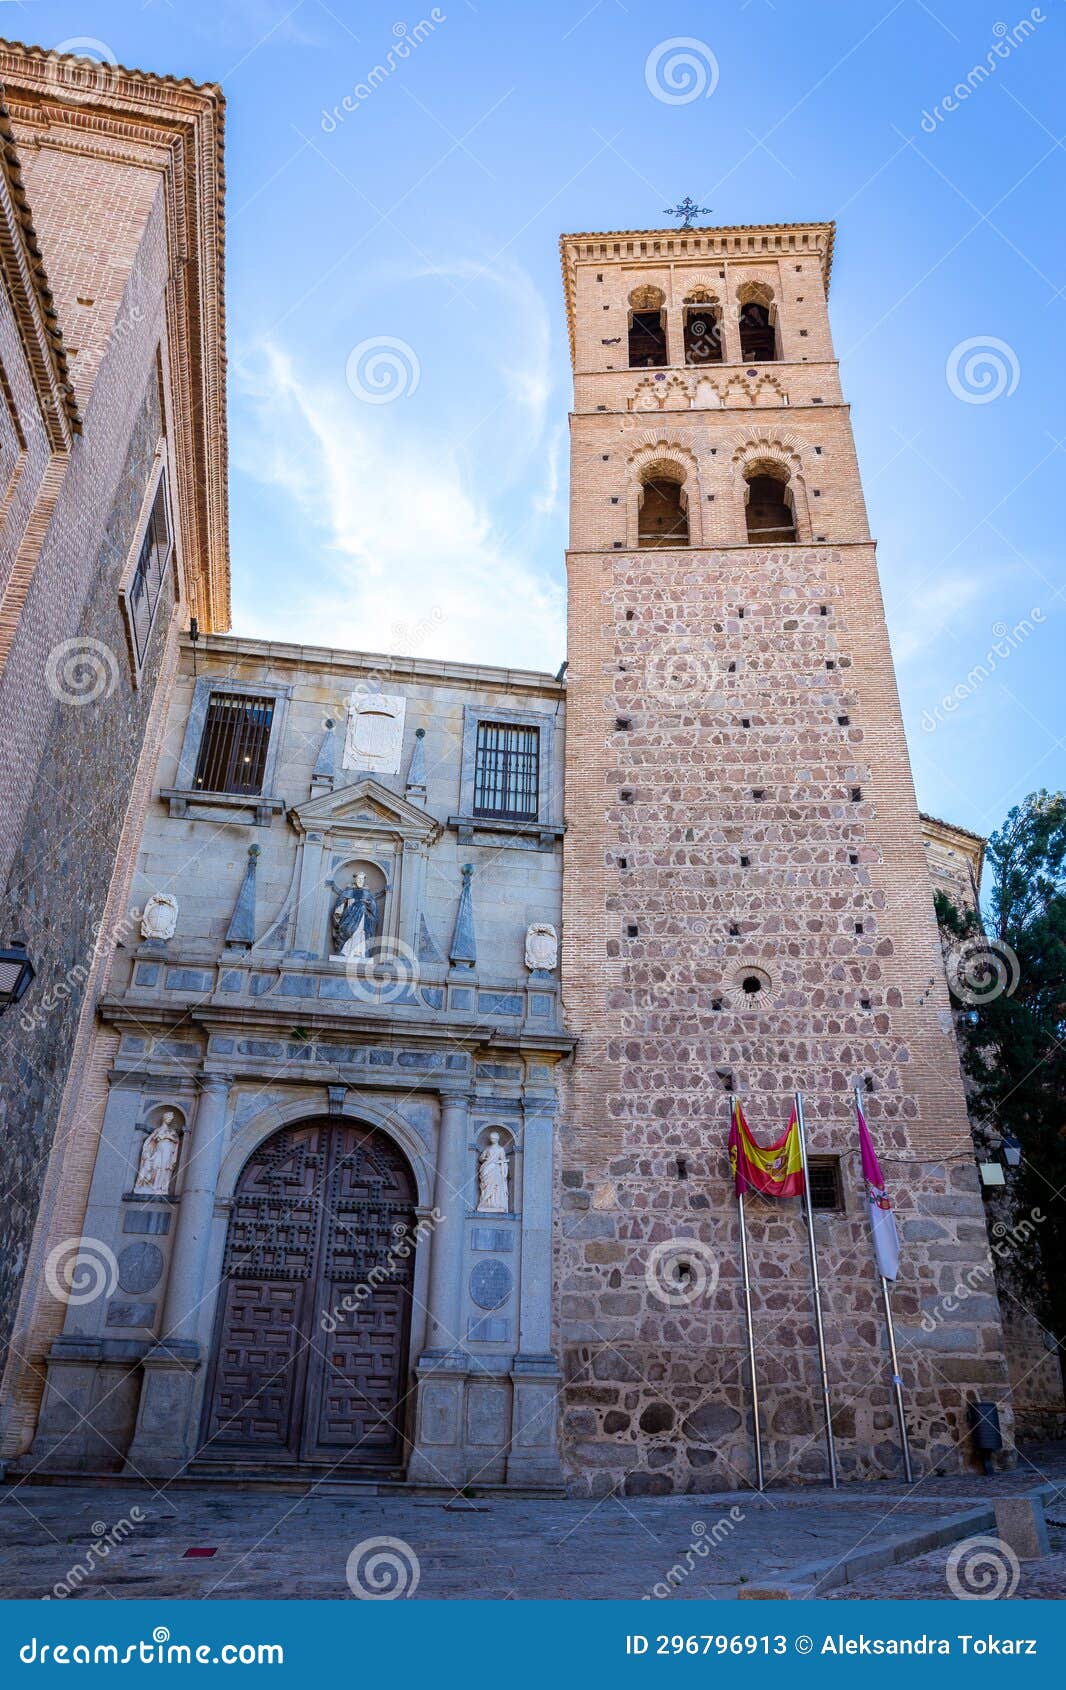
(270,1545)
(927,1578)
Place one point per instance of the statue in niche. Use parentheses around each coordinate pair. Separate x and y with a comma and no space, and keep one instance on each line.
(159,1159)
(355,919)
(159,917)
(492,1197)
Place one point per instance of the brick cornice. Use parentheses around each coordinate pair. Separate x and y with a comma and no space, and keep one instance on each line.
(31,298)
(175,127)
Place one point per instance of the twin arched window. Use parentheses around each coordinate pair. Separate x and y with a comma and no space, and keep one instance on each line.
(663,505)
(702,327)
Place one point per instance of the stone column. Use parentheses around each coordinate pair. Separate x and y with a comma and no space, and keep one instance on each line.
(535,1376)
(438,1456)
(166,1434)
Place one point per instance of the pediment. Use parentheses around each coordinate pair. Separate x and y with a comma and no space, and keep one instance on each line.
(365,808)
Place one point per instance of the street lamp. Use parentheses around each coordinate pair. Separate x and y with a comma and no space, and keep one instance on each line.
(16,973)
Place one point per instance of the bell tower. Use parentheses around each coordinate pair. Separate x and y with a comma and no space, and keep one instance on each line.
(747,906)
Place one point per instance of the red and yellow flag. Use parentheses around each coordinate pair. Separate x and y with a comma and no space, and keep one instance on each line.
(776,1170)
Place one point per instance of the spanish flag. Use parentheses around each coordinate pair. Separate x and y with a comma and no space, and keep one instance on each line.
(777,1170)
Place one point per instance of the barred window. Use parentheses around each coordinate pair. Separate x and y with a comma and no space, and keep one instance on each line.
(233,749)
(506,771)
(146,585)
(827,1192)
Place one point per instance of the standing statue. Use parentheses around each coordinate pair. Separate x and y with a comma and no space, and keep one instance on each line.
(159,1159)
(492,1196)
(355,919)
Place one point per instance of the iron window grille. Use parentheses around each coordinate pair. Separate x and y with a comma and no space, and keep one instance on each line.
(146,586)
(827,1191)
(507,772)
(233,750)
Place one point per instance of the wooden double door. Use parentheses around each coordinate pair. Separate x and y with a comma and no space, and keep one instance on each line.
(310,1357)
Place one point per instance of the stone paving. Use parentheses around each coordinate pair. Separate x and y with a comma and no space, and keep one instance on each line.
(111,1540)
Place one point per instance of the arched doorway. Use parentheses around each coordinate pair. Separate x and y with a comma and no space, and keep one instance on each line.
(309,1362)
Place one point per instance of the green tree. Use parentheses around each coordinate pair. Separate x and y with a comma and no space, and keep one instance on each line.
(1007,974)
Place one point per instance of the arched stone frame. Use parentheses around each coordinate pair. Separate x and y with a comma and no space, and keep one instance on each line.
(356,1108)
(701,290)
(777,456)
(755,290)
(510,1139)
(677,463)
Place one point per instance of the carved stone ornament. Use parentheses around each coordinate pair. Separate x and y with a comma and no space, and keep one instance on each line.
(374,736)
(542,947)
(159,1159)
(160,916)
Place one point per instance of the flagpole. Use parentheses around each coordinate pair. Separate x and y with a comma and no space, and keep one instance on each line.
(751,1344)
(827,1406)
(897,1382)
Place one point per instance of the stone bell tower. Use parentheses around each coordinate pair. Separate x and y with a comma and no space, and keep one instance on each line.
(747,904)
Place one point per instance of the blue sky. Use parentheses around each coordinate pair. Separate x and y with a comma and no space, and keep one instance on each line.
(429,215)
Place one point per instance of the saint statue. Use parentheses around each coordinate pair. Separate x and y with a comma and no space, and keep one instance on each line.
(159,1159)
(355,919)
(492,1178)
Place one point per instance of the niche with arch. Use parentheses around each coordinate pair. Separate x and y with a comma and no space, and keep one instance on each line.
(494,1182)
(342,881)
(758,323)
(647,329)
(662,514)
(769,508)
(702,323)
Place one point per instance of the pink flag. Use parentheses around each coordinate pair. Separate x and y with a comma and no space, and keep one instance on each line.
(882,1220)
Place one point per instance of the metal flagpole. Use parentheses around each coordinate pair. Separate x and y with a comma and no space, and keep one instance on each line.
(897,1382)
(826,1404)
(751,1344)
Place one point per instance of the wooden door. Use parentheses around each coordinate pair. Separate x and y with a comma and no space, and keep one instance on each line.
(310,1355)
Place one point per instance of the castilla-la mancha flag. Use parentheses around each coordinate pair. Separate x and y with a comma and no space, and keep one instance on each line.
(882,1220)
(776,1170)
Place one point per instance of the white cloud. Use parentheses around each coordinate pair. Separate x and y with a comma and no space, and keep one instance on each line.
(409,558)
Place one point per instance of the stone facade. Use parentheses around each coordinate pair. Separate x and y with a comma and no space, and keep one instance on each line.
(247,1022)
(111,383)
(746,907)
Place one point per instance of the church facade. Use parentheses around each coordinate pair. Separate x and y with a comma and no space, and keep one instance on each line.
(391,1132)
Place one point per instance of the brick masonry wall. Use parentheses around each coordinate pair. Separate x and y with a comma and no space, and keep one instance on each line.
(658,1396)
(62,866)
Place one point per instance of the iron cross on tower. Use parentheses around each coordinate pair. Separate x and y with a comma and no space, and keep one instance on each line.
(687,209)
